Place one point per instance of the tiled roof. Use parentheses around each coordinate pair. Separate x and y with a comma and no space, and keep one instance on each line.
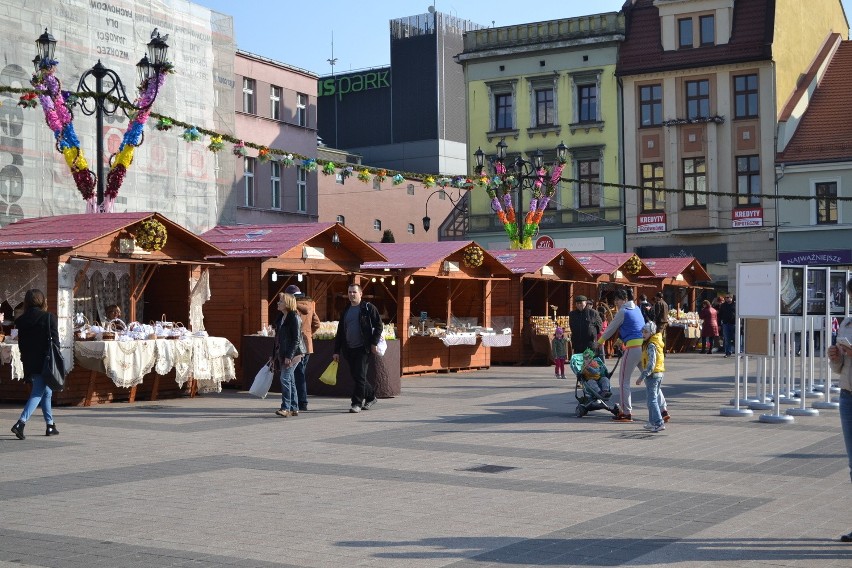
(528,261)
(414,255)
(823,134)
(72,231)
(671,267)
(642,50)
(598,263)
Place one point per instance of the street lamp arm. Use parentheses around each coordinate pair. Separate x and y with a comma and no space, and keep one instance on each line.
(427,221)
(109,100)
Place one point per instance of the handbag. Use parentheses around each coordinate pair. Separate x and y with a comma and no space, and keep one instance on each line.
(262,381)
(381,347)
(329,376)
(53,368)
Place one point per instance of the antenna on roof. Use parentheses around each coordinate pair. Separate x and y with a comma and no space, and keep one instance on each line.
(333,60)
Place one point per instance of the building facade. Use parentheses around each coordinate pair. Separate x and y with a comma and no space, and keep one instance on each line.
(534,86)
(275,106)
(704,82)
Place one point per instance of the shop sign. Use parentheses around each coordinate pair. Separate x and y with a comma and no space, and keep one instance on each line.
(544,242)
(353,83)
(747,217)
(651,223)
(816,257)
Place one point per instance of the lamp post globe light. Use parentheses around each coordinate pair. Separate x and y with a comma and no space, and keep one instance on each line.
(532,175)
(108,97)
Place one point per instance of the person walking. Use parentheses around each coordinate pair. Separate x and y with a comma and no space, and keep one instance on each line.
(652,367)
(727,316)
(661,314)
(290,349)
(358,332)
(560,352)
(709,326)
(310,324)
(840,361)
(628,322)
(585,325)
(36,327)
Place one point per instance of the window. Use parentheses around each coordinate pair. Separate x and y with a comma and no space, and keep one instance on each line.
(377,224)
(248,95)
(651,105)
(503,115)
(248,177)
(826,203)
(695,182)
(544,107)
(302,188)
(587,98)
(377,185)
(443,195)
(684,38)
(698,99)
(745,96)
(748,180)
(653,198)
(411,228)
(341,219)
(275,185)
(588,172)
(410,189)
(274,102)
(707,30)
(301,109)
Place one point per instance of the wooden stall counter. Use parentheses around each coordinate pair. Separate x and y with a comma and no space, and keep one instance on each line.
(383,372)
(425,354)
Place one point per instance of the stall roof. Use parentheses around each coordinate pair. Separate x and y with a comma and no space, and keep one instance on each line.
(420,255)
(68,232)
(527,261)
(272,241)
(671,267)
(599,263)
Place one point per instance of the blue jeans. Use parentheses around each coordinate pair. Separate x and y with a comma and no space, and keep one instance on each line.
(300,376)
(40,393)
(846,423)
(652,391)
(728,330)
(289,398)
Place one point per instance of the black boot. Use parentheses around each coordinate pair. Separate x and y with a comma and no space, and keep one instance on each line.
(18,429)
(51,430)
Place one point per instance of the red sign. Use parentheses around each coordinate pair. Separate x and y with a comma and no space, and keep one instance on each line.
(651,223)
(747,217)
(544,242)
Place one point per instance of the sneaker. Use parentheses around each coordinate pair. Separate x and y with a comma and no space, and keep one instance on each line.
(294,413)
(659,428)
(606,394)
(846,538)
(666,416)
(282,412)
(648,426)
(355,408)
(370,404)
(623,418)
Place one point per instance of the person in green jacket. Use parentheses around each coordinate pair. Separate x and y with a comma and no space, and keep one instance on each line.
(560,352)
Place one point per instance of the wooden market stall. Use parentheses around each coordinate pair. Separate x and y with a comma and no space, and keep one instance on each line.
(86,262)
(443,293)
(260,261)
(534,300)
(684,283)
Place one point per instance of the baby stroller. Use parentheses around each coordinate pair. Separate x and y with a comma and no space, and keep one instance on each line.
(592,390)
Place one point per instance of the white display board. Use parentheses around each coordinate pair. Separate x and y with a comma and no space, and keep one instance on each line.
(758,290)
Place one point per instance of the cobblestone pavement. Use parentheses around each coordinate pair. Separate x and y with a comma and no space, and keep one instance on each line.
(470,470)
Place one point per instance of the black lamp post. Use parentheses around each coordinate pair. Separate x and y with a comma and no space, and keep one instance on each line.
(524,174)
(427,221)
(114,98)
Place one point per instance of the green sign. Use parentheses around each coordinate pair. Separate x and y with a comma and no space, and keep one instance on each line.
(353,83)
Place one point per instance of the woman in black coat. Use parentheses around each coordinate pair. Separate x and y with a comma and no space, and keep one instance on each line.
(35,327)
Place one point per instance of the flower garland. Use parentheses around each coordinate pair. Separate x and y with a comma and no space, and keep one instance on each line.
(473,257)
(151,235)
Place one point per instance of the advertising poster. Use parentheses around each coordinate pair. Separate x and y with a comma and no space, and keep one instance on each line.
(837,288)
(816,291)
(792,290)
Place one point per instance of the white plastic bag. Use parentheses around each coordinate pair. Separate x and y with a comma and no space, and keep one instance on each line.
(262,382)
(381,347)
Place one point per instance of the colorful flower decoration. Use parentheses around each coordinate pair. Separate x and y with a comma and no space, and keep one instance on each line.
(328,168)
(287,160)
(240,149)
(444,181)
(364,175)
(633,265)
(191,134)
(397,179)
(381,176)
(164,124)
(428,182)
(263,155)
(216,144)
(346,172)
(151,235)
(28,100)
(473,257)
(309,165)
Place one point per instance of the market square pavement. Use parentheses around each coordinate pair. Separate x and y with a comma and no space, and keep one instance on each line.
(465,470)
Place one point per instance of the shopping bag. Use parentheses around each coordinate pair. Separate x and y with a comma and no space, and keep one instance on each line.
(262,382)
(53,368)
(329,376)
(381,347)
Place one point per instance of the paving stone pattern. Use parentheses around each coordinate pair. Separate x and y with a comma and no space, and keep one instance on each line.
(470,470)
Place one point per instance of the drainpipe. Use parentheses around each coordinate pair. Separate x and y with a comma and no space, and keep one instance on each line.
(621,165)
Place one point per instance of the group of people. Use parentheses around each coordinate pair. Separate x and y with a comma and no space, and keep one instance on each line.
(716,317)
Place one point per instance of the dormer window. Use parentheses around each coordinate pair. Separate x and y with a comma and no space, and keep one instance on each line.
(707,25)
(684,29)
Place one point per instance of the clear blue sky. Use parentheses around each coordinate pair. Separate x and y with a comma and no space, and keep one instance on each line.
(300,34)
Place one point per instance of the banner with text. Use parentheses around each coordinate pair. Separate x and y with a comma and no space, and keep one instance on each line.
(747,217)
(651,223)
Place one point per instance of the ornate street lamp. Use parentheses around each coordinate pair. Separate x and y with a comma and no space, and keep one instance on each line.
(108,97)
(525,174)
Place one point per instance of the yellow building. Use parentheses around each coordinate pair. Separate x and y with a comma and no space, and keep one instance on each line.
(536,86)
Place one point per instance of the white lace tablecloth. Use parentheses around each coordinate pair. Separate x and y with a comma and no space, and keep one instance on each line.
(497,340)
(459,339)
(11,354)
(208,360)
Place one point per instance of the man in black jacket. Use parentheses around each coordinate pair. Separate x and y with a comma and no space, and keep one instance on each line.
(727,314)
(358,333)
(585,324)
